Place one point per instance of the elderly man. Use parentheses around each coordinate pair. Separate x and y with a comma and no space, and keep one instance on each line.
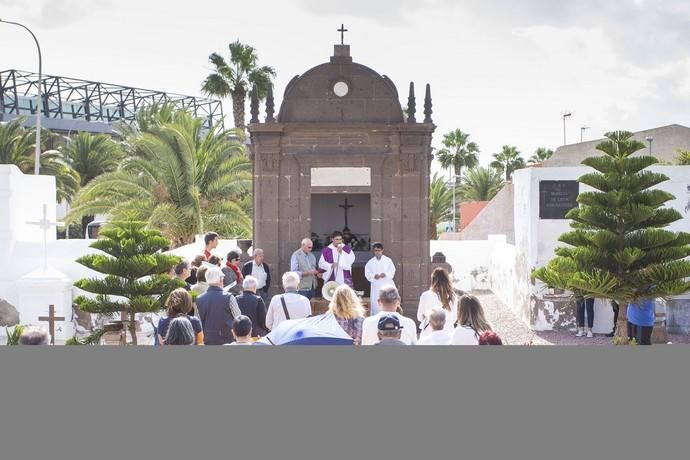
(290,305)
(259,270)
(303,263)
(389,301)
(253,306)
(217,310)
(390,330)
(437,322)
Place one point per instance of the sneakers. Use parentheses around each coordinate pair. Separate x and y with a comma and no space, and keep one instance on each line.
(580,333)
(589,334)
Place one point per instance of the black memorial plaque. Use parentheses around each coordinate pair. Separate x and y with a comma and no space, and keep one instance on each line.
(557,197)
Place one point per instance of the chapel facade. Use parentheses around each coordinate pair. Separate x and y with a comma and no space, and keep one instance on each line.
(342,153)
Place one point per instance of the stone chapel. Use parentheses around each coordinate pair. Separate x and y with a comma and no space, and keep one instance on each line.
(341,153)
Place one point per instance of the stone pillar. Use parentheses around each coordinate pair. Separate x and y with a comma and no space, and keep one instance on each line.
(265,149)
(415,141)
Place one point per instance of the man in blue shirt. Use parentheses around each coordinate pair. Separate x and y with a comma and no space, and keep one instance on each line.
(641,317)
(303,263)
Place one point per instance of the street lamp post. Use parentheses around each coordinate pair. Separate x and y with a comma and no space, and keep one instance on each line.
(565,116)
(582,132)
(453,183)
(650,139)
(37,153)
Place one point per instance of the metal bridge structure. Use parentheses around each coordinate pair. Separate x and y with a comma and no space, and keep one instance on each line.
(72,105)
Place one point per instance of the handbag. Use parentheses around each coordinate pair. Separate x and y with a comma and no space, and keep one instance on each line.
(285,310)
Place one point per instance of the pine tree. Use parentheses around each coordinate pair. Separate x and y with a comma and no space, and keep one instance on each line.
(137,273)
(618,247)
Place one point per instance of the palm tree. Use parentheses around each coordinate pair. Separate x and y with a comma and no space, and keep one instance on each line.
(237,78)
(457,153)
(17,148)
(480,184)
(508,160)
(440,204)
(91,155)
(540,155)
(179,178)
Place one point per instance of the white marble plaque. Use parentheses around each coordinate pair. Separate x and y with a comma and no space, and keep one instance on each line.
(340,177)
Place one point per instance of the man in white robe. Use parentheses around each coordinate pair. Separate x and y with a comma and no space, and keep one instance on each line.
(336,261)
(380,271)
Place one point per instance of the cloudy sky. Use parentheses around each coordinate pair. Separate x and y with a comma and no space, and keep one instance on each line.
(502,70)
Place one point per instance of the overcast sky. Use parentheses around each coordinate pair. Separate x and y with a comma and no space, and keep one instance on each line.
(502,70)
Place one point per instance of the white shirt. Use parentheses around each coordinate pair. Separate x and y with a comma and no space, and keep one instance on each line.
(344,261)
(436,338)
(200,287)
(259,273)
(370,329)
(430,301)
(375,267)
(464,335)
(297,305)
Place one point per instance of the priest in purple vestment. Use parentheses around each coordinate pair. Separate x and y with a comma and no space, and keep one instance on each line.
(336,261)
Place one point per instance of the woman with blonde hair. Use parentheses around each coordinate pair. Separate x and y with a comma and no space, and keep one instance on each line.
(440,296)
(348,311)
(179,304)
(471,322)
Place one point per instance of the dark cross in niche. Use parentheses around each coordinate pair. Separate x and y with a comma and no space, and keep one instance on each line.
(346,207)
(51,318)
(342,31)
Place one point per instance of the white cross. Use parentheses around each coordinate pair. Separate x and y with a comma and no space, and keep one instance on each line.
(45,225)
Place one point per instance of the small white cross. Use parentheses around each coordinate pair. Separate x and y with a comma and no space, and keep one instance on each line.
(45,225)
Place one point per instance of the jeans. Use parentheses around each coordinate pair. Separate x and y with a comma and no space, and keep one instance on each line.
(581,306)
(641,334)
(309,293)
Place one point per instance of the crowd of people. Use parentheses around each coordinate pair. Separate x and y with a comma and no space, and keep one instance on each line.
(230,305)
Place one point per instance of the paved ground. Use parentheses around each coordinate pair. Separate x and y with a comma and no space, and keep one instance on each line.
(513,331)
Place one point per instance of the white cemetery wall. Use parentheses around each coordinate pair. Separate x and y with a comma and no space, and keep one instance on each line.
(502,277)
(22,197)
(21,200)
(536,239)
(470,261)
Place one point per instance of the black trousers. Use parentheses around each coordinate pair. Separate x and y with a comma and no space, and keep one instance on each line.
(615,307)
(582,305)
(641,334)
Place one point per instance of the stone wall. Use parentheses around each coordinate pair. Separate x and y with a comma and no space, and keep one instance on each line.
(535,242)
(496,218)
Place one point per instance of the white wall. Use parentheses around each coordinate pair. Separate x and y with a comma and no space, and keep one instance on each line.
(21,245)
(536,239)
(465,257)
